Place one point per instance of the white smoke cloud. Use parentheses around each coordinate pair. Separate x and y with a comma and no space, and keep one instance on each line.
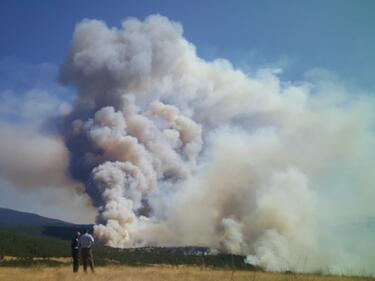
(176,150)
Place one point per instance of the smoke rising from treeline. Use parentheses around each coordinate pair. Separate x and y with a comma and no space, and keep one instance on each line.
(176,150)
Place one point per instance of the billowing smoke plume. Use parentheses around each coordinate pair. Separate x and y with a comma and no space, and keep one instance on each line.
(176,150)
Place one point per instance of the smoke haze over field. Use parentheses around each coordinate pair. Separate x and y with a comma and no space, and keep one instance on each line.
(175,150)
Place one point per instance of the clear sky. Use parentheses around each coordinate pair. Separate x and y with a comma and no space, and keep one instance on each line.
(297,36)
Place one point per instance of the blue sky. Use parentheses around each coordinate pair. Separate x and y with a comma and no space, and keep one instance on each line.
(296,35)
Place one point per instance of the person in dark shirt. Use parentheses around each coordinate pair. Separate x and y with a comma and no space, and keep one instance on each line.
(75,245)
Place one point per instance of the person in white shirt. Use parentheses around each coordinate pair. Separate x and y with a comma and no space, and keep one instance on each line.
(87,242)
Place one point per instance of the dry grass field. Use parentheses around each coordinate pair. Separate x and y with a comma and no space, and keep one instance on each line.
(157,273)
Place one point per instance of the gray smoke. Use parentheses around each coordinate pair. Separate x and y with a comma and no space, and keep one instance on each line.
(34,160)
(176,150)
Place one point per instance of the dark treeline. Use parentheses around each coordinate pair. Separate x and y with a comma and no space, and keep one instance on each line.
(28,247)
(24,246)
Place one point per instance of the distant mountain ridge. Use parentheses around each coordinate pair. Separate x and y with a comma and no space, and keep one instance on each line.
(9,217)
(23,222)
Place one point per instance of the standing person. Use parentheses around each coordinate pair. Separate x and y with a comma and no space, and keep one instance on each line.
(75,251)
(87,242)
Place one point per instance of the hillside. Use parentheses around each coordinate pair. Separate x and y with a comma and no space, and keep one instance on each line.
(32,224)
(9,217)
(23,245)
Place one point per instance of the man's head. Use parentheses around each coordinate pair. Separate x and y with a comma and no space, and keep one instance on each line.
(78,234)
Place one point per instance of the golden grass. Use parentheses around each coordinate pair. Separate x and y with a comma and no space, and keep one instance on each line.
(155,273)
(58,259)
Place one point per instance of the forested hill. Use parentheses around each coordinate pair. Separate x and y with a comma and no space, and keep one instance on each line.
(10,217)
(32,224)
